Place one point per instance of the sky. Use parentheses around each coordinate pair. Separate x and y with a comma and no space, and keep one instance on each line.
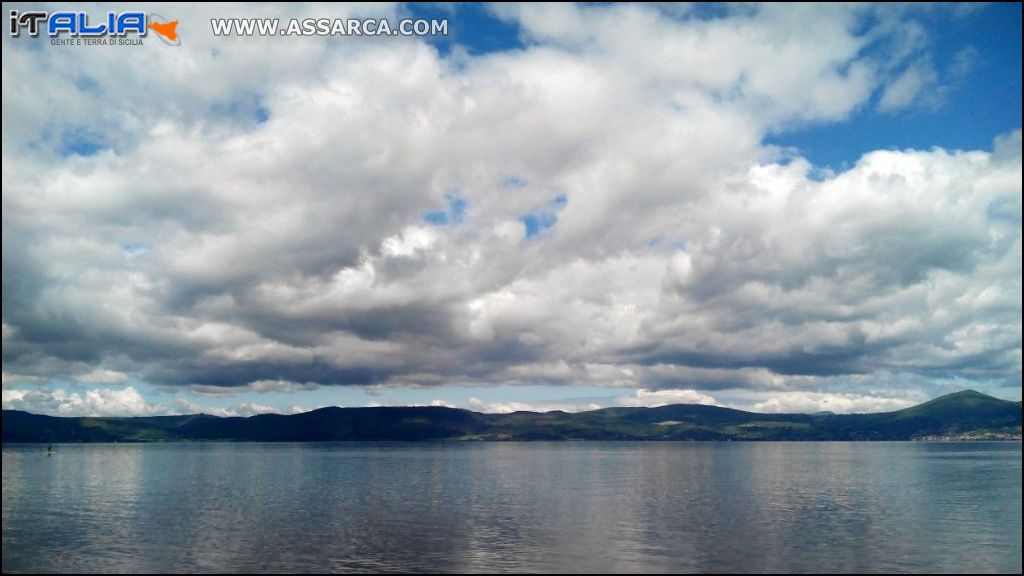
(770,207)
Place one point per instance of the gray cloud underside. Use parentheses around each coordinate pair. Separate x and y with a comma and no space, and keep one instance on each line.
(202,247)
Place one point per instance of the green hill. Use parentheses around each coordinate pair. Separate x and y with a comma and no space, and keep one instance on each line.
(963,415)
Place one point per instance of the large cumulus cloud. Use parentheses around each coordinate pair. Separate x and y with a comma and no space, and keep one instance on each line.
(599,207)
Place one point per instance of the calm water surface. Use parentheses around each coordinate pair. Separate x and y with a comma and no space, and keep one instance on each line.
(484,507)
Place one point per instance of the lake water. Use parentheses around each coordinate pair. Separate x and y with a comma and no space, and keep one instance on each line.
(485,507)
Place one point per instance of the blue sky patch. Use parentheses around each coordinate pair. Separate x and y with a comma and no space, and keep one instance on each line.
(454,214)
(977,59)
(248,108)
(544,217)
(471,25)
(80,142)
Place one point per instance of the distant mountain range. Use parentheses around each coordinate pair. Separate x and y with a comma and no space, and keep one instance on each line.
(959,416)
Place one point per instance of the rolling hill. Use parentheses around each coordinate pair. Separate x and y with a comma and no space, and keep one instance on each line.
(963,415)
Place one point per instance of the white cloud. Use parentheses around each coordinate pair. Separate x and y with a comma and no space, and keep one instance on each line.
(652,398)
(683,252)
(436,403)
(243,409)
(256,386)
(95,402)
(123,402)
(408,242)
(964,61)
(777,402)
(101,376)
(9,379)
(840,403)
(918,84)
(478,405)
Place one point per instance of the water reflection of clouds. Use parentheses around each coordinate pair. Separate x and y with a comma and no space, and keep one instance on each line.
(593,507)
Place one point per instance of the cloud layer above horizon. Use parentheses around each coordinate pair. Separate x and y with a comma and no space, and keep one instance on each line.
(600,207)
